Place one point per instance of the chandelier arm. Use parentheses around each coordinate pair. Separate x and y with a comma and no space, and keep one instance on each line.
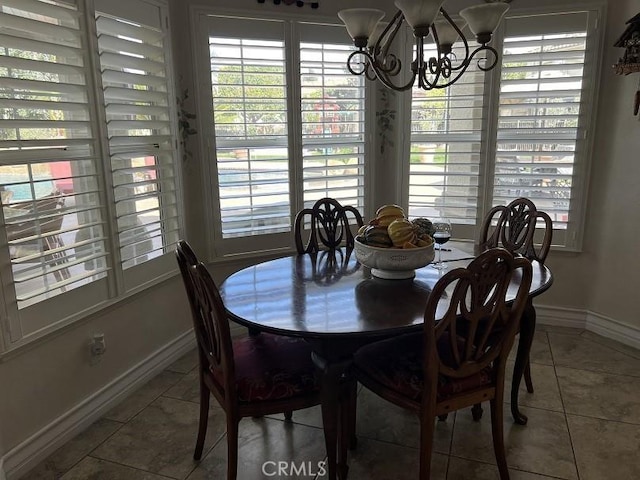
(383,47)
(363,68)
(466,64)
(386,81)
(459,30)
(368,73)
(493,51)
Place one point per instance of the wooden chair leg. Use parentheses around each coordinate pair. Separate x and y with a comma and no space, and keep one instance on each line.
(288,416)
(232,448)
(527,377)
(352,412)
(443,418)
(427,428)
(497,430)
(476,412)
(204,420)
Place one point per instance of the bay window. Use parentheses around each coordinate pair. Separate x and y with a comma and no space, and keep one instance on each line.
(520,131)
(87,150)
(287,126)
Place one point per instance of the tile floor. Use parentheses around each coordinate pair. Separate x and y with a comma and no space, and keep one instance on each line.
(584,423)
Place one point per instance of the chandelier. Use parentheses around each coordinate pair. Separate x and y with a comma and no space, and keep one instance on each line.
(373,40)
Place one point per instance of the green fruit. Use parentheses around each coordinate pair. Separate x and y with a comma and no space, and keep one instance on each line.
(423,226)
(377,236)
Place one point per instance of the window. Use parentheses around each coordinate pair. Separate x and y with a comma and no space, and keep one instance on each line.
(289,126)
(58,258)
(471,153)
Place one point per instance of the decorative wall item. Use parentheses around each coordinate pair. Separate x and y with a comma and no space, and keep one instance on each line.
(298,3)
(630,61)
(184,124)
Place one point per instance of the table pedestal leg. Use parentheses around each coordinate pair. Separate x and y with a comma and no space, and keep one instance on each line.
(331,396)
(527,329)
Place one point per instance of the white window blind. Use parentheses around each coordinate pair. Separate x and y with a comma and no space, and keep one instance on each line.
(447,128)
(48,162)
(541,110)
(249,89)
(333,125)
(138,109)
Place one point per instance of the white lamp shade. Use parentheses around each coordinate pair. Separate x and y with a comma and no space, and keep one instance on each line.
(484,18)
(360,22)
(419,13)
(447,35)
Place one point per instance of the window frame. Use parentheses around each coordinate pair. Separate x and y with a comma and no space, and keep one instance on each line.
(255,246)
(21,327)
(571,239)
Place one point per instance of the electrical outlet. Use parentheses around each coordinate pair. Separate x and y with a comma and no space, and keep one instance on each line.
(98,346)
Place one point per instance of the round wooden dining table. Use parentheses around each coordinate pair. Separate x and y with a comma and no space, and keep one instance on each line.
(334,303)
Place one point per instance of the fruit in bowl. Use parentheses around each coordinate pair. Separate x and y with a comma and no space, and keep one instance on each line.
(393,246)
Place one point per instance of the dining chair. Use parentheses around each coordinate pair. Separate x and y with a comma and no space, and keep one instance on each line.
(330,224)
(459,358)
(37,226)
(249,376)
(513,227)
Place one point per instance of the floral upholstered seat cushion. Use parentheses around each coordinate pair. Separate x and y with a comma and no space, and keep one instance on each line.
(397,364)
(272,367)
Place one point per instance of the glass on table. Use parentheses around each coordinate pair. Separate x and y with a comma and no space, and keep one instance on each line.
(441,235)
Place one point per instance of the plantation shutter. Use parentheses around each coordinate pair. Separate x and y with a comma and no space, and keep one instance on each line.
(138,103)
(333,118)
(542,111)
(446,134)
(249,95)
(52,214)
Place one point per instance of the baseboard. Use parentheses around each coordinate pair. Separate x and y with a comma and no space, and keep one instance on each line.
(613,329)
(39,446)
(561,316)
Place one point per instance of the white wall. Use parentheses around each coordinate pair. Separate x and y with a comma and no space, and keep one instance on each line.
(40,383)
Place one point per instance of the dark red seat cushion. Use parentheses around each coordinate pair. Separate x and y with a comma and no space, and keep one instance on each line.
(396,363)
(272,367)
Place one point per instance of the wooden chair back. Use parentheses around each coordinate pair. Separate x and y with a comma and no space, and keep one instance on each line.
(330,226)
(514,229)
(475,327)
(210,323)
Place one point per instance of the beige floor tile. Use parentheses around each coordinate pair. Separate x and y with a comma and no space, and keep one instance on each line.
(95,469)
(311,417)
(601,395)
(540,349)
(73,451)
(186,363)
(577,351)
(557,329)
(378,419)
(546,393)
(462,469)
(542,446)
(138,400)
(633,352)
(374,460)
(188,388)
(162,437)
(262,444)
(604,449)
